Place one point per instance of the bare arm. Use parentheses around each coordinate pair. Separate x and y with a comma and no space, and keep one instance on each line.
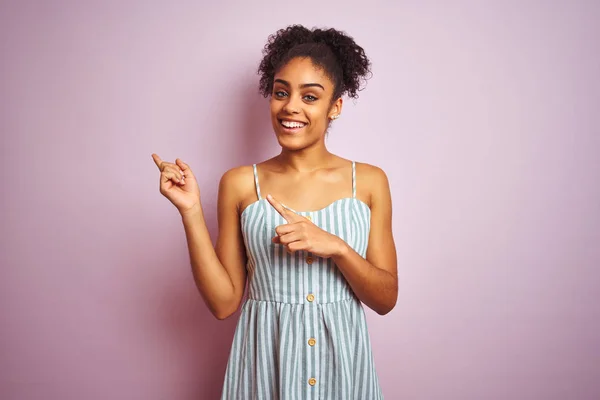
(374,279)
(220,272)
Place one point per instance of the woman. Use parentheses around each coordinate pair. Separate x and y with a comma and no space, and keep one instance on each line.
(309,263)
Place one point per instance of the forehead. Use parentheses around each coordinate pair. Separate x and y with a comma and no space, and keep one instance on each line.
(299,71)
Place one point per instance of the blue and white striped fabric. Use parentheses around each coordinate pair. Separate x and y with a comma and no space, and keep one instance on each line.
(302,332)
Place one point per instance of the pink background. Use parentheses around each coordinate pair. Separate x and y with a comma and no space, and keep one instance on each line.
(483,114)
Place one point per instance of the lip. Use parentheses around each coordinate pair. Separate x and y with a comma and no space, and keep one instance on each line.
(291,120)
(291,130)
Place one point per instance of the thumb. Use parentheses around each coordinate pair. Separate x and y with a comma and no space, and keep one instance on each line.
(184,167)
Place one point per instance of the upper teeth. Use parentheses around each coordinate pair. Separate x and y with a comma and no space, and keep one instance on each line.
(290,124)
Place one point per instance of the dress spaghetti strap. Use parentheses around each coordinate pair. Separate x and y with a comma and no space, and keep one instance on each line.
(353,180)
(256,181)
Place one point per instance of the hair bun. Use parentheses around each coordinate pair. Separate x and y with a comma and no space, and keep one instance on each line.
(344,61)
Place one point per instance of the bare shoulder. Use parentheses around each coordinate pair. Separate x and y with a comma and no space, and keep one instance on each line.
(370,173)
(236,184)
(238,175)
(372,181)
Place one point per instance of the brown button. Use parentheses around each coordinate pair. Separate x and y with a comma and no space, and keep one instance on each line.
(310,297)
(312,381)
(309,260)
(312,342)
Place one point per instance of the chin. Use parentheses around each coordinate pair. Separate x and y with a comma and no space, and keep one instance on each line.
(292,144)
(296,143)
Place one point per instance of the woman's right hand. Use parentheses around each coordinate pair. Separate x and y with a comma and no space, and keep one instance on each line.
(179,185)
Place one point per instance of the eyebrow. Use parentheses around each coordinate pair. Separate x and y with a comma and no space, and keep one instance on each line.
(303,86)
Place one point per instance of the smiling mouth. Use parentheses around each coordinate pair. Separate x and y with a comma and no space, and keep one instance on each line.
(292,126)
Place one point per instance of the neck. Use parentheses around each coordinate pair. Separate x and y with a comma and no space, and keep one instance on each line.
(305,160)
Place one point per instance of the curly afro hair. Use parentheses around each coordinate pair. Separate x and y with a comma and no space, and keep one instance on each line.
(343,61)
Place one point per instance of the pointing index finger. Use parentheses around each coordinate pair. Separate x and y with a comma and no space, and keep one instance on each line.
(157,160)
(284,212)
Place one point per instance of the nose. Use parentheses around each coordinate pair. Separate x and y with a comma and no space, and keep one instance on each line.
(292,105)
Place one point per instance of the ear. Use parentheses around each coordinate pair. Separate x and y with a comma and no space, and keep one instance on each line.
(336,109)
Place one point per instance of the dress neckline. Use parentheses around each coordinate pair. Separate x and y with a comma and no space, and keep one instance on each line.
(333,203)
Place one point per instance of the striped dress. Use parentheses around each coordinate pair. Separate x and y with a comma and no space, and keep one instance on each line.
(302,332)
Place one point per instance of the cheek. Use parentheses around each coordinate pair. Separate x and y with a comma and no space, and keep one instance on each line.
(318,117)
(275,107)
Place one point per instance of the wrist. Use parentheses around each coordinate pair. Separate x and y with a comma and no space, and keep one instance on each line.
(341,250)
(191,213)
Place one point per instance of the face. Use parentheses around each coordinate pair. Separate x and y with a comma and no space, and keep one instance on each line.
(301,104)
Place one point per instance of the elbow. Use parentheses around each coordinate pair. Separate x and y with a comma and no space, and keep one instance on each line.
(223,307)
(387,296)
(222,313)
(387,306)
(383,310)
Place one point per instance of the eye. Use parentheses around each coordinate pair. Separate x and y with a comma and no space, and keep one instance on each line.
(310,98)
(280,93)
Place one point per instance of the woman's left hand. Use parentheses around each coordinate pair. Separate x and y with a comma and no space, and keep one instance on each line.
(301,234)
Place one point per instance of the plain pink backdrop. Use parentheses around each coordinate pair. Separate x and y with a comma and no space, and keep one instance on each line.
(484,115)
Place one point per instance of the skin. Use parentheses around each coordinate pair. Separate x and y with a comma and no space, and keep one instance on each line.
(304,176)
